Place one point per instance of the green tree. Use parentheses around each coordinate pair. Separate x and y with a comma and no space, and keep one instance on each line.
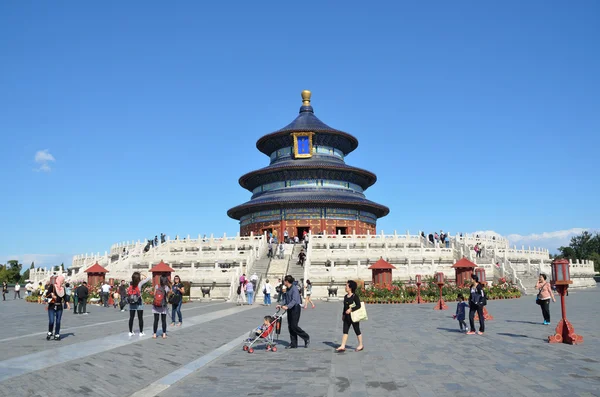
(13,271)
(583,247)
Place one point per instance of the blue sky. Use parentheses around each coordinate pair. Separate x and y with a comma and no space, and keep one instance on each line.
(474,116)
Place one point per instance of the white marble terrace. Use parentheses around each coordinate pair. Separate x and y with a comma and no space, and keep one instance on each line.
(331,260)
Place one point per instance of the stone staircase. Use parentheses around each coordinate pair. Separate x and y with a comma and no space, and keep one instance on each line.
(294,269)
(277,268)
(261,268)
(529,281)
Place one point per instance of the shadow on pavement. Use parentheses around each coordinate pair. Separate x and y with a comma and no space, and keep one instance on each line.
(524,322)
(455,330)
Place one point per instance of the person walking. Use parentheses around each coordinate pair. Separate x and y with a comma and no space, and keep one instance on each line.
(105,292)
(75,299)
(159,306)
(82,297)
(476,306)
(308,293)
(136,303)
(543,297)
(292,305)
(68,293)
(4,290)
(178,291)
(40,291)
(17,291)
(250,292)
(122,295)
(267,293)
(351,304)
(55,296)
(29,288)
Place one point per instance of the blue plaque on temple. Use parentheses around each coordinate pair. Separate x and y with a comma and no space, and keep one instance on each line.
(303,144)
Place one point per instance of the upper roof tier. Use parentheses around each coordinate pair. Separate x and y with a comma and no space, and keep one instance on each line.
(307,122)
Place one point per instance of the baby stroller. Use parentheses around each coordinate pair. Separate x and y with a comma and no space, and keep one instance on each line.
(270,335)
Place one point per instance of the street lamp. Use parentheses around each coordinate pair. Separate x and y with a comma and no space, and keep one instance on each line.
(439,280)
(418,282)
(564,330)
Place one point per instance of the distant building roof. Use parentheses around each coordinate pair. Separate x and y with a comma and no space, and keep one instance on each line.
(464,262)
(96,268)
(161,267)
(382,264)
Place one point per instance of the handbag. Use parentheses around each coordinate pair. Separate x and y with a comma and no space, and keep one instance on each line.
(359,314)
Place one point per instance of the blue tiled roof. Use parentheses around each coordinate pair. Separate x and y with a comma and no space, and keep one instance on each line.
(357,175)
(306,122)
(337,199)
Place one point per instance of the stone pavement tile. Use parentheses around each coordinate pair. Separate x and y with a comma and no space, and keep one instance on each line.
(75,328)
(132,367)
(409,350)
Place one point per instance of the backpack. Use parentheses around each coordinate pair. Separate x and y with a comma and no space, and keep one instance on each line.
(160,297)
(239,290)
(134,296)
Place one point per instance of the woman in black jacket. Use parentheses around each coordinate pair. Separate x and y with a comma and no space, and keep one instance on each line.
(351,303)
(476,306)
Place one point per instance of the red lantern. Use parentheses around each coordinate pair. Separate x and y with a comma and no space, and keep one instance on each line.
(480,272)
(439,278)
(561,272)
(418,278)
(564,333)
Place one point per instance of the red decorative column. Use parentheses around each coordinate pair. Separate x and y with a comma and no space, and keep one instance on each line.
(564,333)
(418,277)
(439,280)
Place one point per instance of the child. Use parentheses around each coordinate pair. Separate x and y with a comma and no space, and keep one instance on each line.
(460,312)
(263,330)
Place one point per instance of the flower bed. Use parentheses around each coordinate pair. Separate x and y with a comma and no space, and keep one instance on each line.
(400,292)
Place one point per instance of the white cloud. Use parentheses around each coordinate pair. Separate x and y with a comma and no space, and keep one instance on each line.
(549,240)
(43,158)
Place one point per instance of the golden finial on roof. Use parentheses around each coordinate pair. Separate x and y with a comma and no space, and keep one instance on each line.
(306,98)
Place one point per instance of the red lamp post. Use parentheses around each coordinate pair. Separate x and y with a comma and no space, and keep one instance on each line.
(480,272)
(418,282)
(439,280)
(564,332)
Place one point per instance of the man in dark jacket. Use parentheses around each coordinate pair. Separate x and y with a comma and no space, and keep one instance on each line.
(293,304)
(123,295)
(82,296)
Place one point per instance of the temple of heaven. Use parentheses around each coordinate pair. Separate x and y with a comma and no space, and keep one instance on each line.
(307,186)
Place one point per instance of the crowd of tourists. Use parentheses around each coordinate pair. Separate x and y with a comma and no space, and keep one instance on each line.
(167,294)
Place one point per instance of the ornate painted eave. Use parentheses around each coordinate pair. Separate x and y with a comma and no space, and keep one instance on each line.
(308,199)
(308,169)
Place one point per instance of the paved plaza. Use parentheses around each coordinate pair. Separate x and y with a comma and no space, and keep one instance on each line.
(410,350)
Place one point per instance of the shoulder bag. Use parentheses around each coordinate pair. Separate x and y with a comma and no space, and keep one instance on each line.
(359,314)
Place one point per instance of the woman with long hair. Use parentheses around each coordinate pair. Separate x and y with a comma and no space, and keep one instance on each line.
(308,293)
(351,303)
(178,291)
(162,309)
(55,295)
(136,304)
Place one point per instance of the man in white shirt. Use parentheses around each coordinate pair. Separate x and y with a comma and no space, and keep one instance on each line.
(17,291)
(29,288)
(105,291)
